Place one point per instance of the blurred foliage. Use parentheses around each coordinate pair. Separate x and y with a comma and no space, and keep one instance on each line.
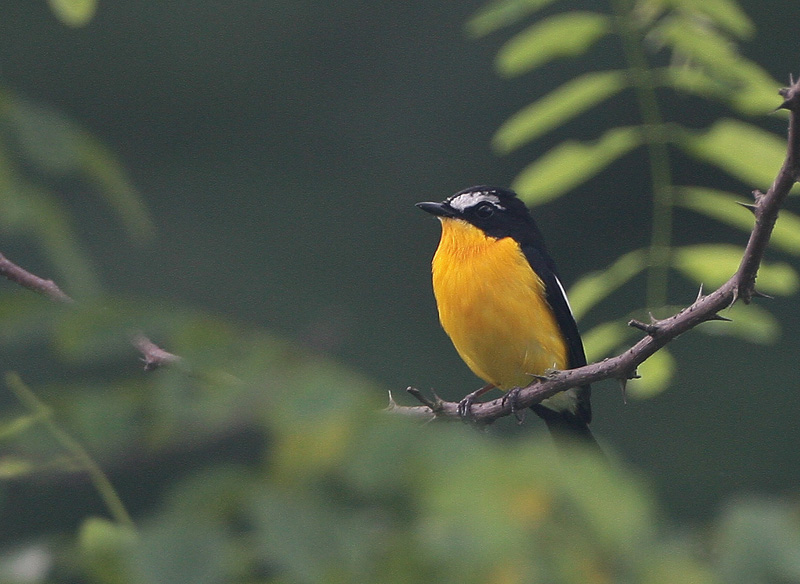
(39,147)
(74,12)
(335,491)
(343,493)
(670,49)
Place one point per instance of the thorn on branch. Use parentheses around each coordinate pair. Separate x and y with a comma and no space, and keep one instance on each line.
(699,294)
(734,296)
(435,404)
(746,289)
(719,317)
(749,206)
(651,329)
(623,386)
(791,97)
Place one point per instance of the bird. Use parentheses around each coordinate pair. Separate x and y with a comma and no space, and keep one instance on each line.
(502,303)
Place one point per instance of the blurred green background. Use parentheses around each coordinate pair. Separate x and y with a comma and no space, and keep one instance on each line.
(279,148)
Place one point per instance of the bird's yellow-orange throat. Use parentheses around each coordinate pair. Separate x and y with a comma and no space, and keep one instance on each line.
(493,307)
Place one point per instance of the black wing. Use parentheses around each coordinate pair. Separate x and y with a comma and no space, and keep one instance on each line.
(545,268)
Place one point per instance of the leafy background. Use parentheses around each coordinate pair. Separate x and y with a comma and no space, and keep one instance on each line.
(238,180)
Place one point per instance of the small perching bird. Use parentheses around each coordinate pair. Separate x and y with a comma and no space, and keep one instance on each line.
(501,302)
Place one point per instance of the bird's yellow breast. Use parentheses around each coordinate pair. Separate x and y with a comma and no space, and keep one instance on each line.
(493,307)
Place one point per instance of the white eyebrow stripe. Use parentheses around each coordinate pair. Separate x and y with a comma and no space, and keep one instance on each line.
(467,200)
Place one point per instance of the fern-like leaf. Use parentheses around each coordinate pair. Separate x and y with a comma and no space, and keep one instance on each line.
(563,35)
(572,163)
(559,106)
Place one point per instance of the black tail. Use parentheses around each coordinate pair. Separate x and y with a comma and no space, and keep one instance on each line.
(567,430)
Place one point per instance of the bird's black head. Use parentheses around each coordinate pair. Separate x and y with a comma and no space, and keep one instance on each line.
(496,211)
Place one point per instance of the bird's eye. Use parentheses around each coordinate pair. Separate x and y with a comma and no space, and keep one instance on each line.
(484,210)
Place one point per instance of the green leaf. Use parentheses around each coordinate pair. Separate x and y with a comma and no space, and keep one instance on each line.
(57,145)
(725,208)
(698,46)
(310,540)
(750,98)
(758,96)
(698,43)
(95,332)
(720,205)
(183,548)
(755,92)
(16,426)
(13,467)
(502,13)
(673,568)
(655,375)
(712,264)
(596,286)
(693,80)
(602,340)
(572,163)
(74,12)
(105,550)
(105,170)
(26,318)
(614,526)
(786,234)
(563,35)
(749,322)
(742,150)
(559,106)
(759,541)
(725,14)
(45,136)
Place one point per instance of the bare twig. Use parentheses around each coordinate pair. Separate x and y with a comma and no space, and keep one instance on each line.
(152,355)
(24,278)
(659,332)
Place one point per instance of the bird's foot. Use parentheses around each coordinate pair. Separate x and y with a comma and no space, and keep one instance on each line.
(464,409)
(511,397)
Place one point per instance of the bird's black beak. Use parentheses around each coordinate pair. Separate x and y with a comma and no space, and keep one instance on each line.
(438,209)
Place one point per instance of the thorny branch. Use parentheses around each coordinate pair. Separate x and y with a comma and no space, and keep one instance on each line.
(659,332)
(152,355)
